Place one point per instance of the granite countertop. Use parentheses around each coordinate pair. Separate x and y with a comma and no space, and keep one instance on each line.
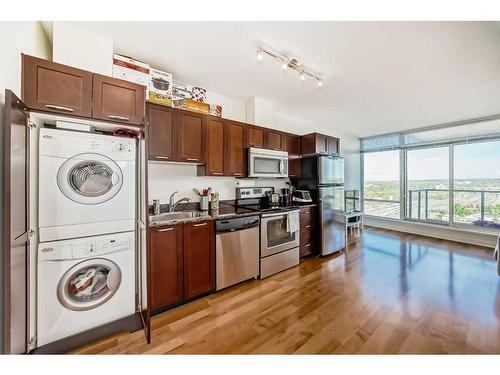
(226,211)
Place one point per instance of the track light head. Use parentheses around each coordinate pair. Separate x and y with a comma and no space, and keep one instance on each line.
(260,56)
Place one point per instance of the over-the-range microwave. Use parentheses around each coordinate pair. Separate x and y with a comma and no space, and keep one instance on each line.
(267,163)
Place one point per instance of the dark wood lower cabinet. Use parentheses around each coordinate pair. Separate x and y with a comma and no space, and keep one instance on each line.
(308,230)
(199,259)
(167,266)
(182,263)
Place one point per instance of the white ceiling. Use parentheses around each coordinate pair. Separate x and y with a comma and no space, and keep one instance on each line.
(379,76)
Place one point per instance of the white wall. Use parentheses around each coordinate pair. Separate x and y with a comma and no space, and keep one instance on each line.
(166,178)
(15,38)
(82,49)
(232,108)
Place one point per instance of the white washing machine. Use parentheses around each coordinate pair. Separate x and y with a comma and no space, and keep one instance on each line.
(86,184)
(83,284)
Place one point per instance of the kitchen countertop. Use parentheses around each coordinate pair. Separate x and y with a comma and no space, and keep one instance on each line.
(226,211)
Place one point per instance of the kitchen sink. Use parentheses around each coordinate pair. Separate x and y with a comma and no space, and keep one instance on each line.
(180,215)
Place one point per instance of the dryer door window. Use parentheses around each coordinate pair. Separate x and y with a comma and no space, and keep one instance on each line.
(89,284)
(89,178)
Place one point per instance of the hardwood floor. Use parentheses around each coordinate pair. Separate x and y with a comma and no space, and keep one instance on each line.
(390,293)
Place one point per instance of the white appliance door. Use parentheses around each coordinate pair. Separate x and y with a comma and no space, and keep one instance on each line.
(89,284)
(89,178)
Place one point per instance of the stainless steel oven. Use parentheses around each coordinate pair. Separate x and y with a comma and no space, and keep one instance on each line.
(267,163)
(279,248)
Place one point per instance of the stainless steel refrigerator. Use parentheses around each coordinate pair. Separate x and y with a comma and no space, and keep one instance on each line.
(323,176)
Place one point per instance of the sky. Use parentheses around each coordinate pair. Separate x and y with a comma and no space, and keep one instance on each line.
(476,160)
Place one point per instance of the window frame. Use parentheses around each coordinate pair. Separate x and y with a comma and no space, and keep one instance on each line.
(403,182)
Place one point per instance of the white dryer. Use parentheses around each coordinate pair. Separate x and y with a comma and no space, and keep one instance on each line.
(83,284)
(86,184)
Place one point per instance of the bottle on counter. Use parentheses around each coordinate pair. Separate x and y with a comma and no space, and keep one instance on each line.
(214,201)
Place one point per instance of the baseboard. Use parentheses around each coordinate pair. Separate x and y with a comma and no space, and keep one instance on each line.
(472,237)
(130,323)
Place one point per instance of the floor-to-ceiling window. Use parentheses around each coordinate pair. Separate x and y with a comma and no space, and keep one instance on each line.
(477,184)
(447,175)
(381,184)
(428,184)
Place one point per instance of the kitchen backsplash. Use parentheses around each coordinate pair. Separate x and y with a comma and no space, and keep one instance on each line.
(165,178)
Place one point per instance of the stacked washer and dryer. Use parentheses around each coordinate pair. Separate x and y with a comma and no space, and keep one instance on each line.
(87,210)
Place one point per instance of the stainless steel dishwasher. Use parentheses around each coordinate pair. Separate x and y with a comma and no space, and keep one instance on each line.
(237,250)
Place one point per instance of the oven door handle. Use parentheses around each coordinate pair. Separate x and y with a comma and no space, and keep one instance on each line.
(279,214)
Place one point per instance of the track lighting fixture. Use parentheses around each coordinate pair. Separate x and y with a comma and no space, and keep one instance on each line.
(290,63)
(260,56)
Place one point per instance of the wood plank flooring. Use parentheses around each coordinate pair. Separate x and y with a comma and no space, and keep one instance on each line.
(390,292)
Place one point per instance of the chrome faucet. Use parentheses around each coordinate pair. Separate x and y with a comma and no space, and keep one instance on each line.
(173,204)
(156,207)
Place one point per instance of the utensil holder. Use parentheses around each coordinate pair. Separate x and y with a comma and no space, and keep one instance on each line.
(204,203)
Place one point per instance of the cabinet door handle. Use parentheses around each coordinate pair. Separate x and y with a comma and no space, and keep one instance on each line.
(217,173)
(115,117)
(61,108)
(165,230)
(307,245)
(199,225)
(237,174)
(308,226)
(192,159)
(161,157)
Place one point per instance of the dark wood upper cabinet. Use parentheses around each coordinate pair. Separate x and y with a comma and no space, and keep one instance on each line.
(274,139)
(234,149)
(321,144)
(53,87)
(161,134)
(214,157)
(254,136)
(191,133)
(199,259)
(292,146)
(117,100)
(333,145)
(316,143)
(166,266)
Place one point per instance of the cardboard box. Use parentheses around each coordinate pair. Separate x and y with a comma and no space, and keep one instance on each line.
(215,110)
(180,92)
(193,106)
(131,70)
(160,87)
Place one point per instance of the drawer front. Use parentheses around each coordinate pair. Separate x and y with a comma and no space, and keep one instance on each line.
(306,250)
(306,235)
(306,217)
(279,262)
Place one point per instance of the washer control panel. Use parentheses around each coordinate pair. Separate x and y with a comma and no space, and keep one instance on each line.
(98,246)
(112,147)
